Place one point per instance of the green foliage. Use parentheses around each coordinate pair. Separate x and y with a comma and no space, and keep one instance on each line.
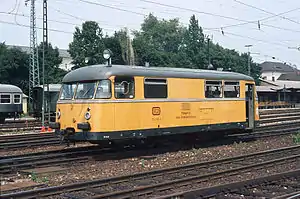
(296,138)
(160,43)
(168,44)
(53,74)
(113,43)
(194,45)
(164,43)
(45,180)
(87,45)
(34,177)
(14,67)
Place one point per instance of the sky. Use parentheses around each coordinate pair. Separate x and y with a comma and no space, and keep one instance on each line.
(272,27)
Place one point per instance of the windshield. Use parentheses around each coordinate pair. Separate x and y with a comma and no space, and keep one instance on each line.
(67,91)
(85,90)
(103,90)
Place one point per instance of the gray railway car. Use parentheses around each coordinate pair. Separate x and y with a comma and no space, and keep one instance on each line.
(10,101)
(51,97)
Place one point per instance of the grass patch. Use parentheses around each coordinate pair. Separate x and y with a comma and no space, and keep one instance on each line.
(296,138)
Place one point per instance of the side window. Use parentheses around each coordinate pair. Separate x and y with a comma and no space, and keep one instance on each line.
(124,87)
(5,99)
(213,89)
(231,89)
(155,88)
(17,99)
(103,90)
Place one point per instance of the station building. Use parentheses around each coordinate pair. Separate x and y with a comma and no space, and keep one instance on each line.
(279,85)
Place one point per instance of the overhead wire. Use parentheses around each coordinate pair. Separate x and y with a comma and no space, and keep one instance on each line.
(133,12)
(15,6)
(27,26)
(112,7)
(265,11)
(85,19)
(15,14)
(56,21)
(262,19)
(221,16)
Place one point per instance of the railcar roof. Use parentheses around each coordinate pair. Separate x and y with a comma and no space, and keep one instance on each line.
(96,72)
(7,88)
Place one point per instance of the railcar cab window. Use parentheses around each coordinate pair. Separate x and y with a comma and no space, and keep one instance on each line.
(17,99)
(67,91)
(155,88)
(85,90)
(124,87)
(231,89)
(213,89)
(103,89)
(5,99)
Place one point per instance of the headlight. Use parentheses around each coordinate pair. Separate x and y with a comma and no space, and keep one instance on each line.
(58,114)
(87,115)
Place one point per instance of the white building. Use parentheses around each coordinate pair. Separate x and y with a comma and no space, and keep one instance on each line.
(273,71)
(279,82)
(66,58)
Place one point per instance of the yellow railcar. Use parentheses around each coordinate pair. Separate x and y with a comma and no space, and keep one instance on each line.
(104,103)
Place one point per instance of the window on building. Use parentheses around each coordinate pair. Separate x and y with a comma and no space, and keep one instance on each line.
(103,90)
(213,89)
(5,99)
(273,79)
(124,87)
(231,89)
(17,99)
(155,88)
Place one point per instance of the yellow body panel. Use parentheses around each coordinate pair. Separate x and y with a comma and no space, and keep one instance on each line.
(183,107)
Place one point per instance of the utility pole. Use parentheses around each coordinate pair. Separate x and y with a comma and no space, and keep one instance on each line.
(210,66)
(45,45)
(34,74)
(249,67)
(129,49)
(208,53)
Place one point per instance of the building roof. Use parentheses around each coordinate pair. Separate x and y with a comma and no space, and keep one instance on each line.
(281,84)
(7,88)
(266,88)
(290,76)
(97,72)
(276,67)
(62,52)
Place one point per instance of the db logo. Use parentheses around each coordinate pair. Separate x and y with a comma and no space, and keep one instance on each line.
(156,111)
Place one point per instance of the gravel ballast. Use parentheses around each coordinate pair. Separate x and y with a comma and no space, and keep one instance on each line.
(103,169)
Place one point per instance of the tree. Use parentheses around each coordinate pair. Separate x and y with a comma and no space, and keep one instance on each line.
(159,42)
(87,45)
(14,67)
(194,45)
(53,74)
(113,43)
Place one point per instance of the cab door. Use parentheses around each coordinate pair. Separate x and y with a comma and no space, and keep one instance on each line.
(249,94)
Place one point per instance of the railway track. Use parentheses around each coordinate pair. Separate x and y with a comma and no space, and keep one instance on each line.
(28,140)
(12,164)
(273,123)
(165,181)
(279,186)
(20,125)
